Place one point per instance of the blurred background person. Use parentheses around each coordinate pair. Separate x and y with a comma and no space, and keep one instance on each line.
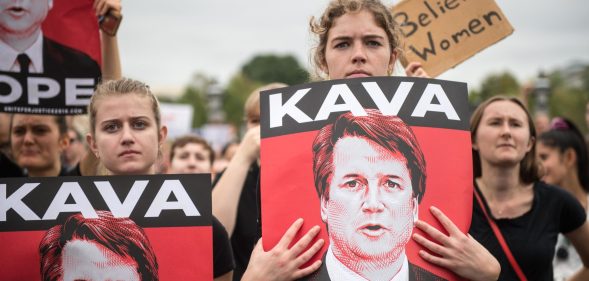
(237,189)
(225,156)
(77,149)
(191,154)
(563,154)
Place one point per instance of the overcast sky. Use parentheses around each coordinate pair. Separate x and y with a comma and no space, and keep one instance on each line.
(164,42)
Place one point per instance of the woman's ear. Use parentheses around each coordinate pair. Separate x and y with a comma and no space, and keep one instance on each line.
(163,134)
(392,61)
(569,158)
(531,143)
(92,145)
(64,142)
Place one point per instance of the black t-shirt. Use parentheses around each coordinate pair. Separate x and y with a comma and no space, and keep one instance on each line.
(247,225)
(222,253)
(9,169)
(532,236)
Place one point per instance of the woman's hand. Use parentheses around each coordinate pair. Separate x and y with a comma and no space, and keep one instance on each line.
(101,7)
(414,69)
(457,251)
(282,263)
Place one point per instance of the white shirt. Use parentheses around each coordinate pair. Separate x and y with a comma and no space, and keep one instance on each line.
(8,60)
(338,271)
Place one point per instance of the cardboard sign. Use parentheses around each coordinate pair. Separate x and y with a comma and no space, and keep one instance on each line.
(364,158)
(54,69)
(442,34)
(106,228)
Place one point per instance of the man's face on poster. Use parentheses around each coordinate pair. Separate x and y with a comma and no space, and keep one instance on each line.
(371,210)
(88,260)
(23,17)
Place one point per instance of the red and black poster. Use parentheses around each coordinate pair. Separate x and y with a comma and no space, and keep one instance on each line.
(365,159)
(49,56)
(106,228)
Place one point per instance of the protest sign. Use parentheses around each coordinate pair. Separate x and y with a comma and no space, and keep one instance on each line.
(178,118)
(442,34)
(365,158)
(115,228)
(51,57)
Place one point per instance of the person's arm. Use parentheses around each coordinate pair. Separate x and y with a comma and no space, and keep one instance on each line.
(456,251)
(282,263)
(414,69)
(580,239)
(111,62)
(227,191)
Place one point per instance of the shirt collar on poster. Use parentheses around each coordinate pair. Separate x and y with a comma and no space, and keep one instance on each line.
(338,271)
(35,52)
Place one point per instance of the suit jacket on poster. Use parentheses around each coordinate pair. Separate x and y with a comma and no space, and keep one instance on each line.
(62,61)
(416,273)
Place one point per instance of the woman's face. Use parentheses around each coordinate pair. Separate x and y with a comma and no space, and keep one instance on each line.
(357,47)
(36,142)
(552,160)
(503,135)
(126,138)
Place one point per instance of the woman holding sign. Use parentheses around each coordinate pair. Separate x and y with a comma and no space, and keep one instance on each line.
(126,135)
(358,38)
(515,216)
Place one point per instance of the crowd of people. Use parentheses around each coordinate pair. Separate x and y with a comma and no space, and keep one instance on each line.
(531,185)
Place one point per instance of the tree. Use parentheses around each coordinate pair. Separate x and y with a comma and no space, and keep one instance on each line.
(274,68)
(236,93)
(195,95)
(496,84)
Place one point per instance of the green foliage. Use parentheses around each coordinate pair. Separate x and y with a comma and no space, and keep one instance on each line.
(236,93)
(569,101)
(274,68)
(569,93)
(495,84)
(195,95)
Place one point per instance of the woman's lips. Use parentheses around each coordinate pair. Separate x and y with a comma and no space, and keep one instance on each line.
(357,74)
(128,152)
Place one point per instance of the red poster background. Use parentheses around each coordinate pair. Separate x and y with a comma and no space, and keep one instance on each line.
(183,253)
(74,24)
(288,190)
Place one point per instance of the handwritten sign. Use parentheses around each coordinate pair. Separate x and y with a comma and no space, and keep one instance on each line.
(443,33)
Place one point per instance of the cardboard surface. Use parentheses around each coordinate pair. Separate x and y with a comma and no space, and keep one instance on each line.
(441,34)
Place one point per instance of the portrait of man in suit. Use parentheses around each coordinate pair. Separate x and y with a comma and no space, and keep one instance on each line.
(369,174)
(26,50)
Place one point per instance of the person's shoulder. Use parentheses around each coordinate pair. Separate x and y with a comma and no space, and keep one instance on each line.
(551,191)
(418,273)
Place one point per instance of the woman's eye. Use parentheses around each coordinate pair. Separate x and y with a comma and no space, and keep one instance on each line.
(40,130)
(19,131)
(373,43)
(342,45)
(139,124)
(112,127)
